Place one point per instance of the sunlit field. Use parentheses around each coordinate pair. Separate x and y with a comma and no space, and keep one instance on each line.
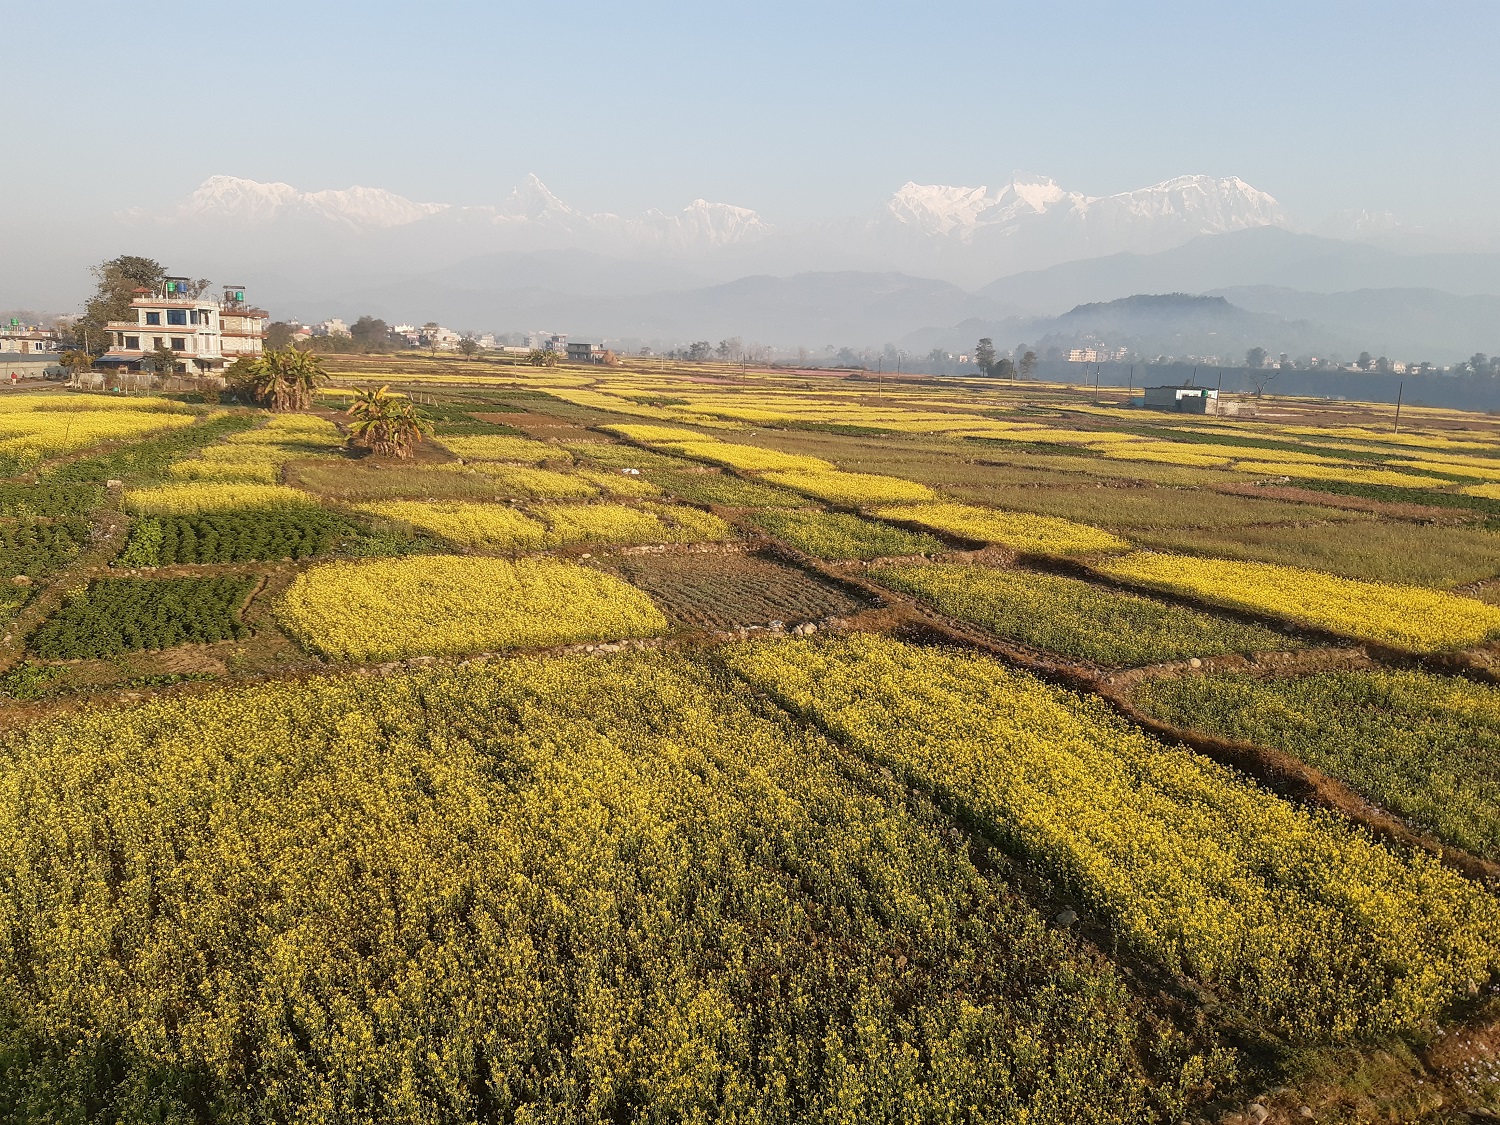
(691,742)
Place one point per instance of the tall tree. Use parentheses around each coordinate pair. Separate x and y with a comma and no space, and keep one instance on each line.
(1364,361)
(385,423)
(370,333)
(468,347)
(279,334)
(984,354)
(117,280)
(163,360)
(1255,357)
(1027,365)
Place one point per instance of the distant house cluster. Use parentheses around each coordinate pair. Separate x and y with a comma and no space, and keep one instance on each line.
(27,339)
(1096,355)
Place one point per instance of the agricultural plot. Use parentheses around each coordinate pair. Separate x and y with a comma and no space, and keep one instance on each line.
(258,455)
(747,458)
(1030,534)
(380,609)
(1293,915)
(356,483)
(1406,617)
(33,547)
(728,591)
(1075,618)
(722,906)
(234,536)
(1406,553)
(1127,509)
(499,447)
(853,490)
(116,615)
(148,460)
(514,482)
(836,535)
(48,499)
(501,527)
(612,455)
(191,499)
(711,881)
(619,524)
(1426,747)
(34,428)
(717,488)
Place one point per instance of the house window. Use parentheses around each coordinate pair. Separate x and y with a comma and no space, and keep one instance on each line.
(153,318)
(133,342)
(178,343)
(177,316)
(157,341)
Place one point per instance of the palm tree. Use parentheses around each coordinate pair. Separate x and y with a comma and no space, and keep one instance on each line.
(386,423)
(285,378)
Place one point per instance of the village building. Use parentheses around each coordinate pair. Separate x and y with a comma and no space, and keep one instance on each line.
(1186,400)
(26,339)
(206,334)
(585,353)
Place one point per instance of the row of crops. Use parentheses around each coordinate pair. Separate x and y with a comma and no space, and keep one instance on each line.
(855,878)
(660,885)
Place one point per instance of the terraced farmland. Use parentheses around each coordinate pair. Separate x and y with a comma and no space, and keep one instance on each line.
(677,742)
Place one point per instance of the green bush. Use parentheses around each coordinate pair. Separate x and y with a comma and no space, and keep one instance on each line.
(253,535)
(116,615)
(48,498)
(34,547)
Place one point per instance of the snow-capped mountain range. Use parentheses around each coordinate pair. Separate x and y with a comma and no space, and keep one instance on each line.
(1201,204)
(962,233)
(241,202)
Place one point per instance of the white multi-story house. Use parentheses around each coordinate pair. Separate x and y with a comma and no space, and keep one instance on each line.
(440,338)
(205,333)
(333,327)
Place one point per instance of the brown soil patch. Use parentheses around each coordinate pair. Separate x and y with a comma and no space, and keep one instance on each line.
(548,426)
(728,591)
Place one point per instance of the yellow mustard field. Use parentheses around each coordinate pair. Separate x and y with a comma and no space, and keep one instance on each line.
(503,447)
(746,458)
(1403,616)
(1019,531)
(443,604)
(1299,917)
(853,490)
(185,499)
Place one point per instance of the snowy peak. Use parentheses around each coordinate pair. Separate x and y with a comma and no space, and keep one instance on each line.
(250,202)
(530,207)
(719,224)
(533,200)
(1200,203)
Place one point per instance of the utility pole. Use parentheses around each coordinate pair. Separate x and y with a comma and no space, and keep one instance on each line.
(1130,390)
(1096,384)
(1401,386)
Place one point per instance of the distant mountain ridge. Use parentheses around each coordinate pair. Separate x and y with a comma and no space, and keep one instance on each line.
(959,234)
(1201,204)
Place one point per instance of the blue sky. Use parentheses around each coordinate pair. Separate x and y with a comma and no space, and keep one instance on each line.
(799,110)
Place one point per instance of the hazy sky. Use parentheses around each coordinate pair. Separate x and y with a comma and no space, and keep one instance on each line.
(800,110)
